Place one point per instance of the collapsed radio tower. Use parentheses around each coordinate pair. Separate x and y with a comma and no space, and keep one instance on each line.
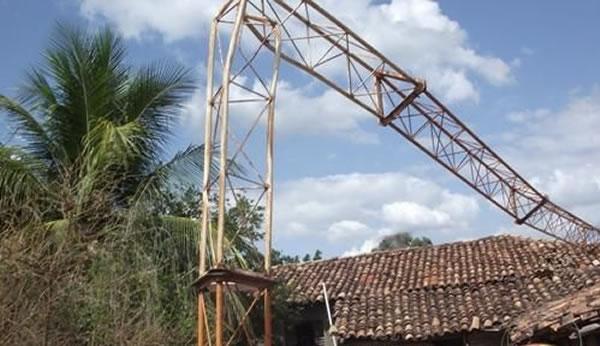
(242,78)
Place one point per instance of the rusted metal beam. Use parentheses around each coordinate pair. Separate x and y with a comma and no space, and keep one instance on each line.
(238,69)
(224,165)
(242,280)
(410,98)
(268,318)
(523,219)
(432,127)
(219,315)
(268,323)
(313,40)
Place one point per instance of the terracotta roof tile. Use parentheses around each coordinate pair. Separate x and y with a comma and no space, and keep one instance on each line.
(579,307)
(421,293)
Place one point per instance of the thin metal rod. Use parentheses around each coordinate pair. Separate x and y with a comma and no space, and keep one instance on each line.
(451,143)
(268,324)
(270,153)
(328,311)
(223,165)
(202,331)
(268,319)
(243,319)
(205,208)
(219,314)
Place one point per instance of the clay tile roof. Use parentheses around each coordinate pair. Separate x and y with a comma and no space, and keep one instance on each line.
(422,293)
(561,315)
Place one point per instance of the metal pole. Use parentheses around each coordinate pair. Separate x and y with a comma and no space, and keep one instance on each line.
(206,179)
(233,43)
(328,312)
(268,324)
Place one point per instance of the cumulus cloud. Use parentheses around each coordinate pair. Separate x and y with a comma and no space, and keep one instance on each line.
(413,215)
(414,33)
(347,229)
(327,113)
(521,117)
(366,247)
(297,111)
(192,117)
(417,35)
(560,151)
(172,19)
(361,208)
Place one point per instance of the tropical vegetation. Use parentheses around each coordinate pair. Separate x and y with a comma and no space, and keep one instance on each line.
(98,231)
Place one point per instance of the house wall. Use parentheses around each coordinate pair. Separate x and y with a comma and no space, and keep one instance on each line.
(485,338)
(592,340)
(313,317)
(316,317)
(390,343)
(565,338)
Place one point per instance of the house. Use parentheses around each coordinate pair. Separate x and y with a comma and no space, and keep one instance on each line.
(463,293)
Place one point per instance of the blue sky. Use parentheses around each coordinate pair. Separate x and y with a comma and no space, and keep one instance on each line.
(523,75)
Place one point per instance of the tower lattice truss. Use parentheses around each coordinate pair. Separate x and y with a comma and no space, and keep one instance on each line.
(249,39)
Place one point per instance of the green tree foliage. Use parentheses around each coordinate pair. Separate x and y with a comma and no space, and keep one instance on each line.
(402,240)
(318,255)
(87,255)
(279,258)
(99,234)
(85,118)
(184,202)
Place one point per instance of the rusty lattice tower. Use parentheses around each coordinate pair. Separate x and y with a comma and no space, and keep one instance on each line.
(248,38)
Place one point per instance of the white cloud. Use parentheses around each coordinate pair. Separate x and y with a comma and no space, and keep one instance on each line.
(192,117)
(173,19)
(194,109)
(347,229)
(560,152)
(413,33)
(456,85)
(354,208)
(413,215)
(327,113)
(418,36)
(528,115)
(297,111)
(367,246)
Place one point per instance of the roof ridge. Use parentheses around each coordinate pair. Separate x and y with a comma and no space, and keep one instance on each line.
(423,248)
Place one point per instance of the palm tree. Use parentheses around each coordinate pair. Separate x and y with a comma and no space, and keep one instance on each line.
(87,123)
(87,164)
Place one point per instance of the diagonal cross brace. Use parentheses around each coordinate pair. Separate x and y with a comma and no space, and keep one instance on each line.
(395,113)
(522,220)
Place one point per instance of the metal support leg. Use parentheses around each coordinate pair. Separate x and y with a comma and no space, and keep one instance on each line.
(241,83)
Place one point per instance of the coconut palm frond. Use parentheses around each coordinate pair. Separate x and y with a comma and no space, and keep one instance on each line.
(89,77)
(185,168)
(184,234)
(37,142)
(19,176)
(154,99)
(109,144)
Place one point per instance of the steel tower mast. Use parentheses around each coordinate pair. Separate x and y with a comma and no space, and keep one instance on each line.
(248,39)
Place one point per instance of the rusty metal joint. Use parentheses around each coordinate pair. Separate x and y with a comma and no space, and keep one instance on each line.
(260,19)
(420,88)
(380,74)
(522,220)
